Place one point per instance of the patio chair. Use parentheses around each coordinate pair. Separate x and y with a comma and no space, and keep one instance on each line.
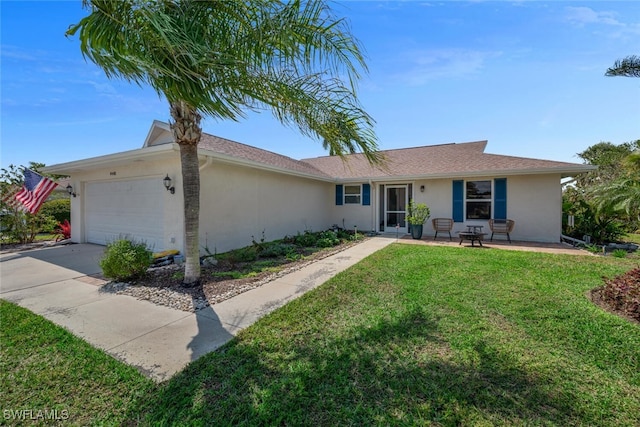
(501,226)
(442,224)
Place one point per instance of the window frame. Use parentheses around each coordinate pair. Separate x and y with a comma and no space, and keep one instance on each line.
(345,194)
(481,199)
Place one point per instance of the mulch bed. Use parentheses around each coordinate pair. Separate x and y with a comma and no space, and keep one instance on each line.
(163,285)
(595,295)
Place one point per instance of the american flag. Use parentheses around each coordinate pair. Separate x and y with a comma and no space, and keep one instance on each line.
(33,193)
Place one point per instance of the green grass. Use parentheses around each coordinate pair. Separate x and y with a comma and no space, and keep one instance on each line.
(45,368)
(413,335)
(632,238)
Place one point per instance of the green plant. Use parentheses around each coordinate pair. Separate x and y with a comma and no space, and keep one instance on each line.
(418,213)
(327,239)
(594,249)
(20,227)
(58,209)
(308,239)
(246,254)
(276,249)
(619,253)
(125,259)
(259,246)
(63,231)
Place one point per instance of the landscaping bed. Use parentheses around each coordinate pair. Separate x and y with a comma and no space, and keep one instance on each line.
(231,273)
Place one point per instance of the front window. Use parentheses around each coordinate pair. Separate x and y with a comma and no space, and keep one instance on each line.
(478,197)
(352,194)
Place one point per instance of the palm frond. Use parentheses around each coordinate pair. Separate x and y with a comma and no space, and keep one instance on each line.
(226,57)
(627,67)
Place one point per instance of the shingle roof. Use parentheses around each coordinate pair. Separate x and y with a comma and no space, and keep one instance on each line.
(238,150)
(438,160)
(455,159)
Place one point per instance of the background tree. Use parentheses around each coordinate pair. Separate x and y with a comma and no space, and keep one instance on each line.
(609,158)
(627,67)
(606,202)
(221,58)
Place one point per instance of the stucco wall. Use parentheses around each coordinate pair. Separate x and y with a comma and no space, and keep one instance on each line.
(238,202)
(349,216)
(534,202)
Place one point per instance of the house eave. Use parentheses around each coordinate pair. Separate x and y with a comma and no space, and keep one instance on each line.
(124,157)
(223,158)
(564,172)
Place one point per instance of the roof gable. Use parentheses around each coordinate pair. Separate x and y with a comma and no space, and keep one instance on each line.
(160,133)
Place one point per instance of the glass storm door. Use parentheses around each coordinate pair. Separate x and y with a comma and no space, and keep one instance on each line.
(395,208)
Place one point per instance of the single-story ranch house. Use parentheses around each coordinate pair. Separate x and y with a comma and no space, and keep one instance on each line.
(247,191)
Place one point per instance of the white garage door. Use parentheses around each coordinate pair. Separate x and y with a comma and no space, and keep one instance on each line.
(132,209)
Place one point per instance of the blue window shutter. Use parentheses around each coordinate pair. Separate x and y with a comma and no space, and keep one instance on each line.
(458,201)
(339,198)
(500,198)
(366,195)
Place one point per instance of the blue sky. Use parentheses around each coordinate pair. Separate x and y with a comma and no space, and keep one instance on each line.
(528,76)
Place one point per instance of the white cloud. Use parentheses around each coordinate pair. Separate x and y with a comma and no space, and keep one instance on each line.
(425,65)
(585,15)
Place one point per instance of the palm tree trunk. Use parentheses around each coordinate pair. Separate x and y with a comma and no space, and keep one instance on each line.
(187,133)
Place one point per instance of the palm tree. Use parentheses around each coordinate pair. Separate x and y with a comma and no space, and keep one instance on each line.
(628,67)
(221,58)
(622,195)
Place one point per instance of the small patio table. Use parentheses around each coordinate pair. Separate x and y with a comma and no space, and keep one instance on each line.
(472,236)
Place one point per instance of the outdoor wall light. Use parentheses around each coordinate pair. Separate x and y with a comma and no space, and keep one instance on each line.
(422,188)
(167,184)
(70,190)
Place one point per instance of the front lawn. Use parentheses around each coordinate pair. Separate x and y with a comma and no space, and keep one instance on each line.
(413,335)
(48,376)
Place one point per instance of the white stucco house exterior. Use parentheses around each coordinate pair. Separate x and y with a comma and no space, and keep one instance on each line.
(246,191)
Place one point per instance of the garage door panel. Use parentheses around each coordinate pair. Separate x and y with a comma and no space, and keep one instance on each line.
(119,209)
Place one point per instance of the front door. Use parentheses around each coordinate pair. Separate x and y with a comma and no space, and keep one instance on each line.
(395,208)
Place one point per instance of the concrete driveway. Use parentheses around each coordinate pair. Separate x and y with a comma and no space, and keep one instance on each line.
(63,285)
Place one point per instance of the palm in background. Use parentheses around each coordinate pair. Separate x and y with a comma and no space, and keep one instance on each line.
(627,67)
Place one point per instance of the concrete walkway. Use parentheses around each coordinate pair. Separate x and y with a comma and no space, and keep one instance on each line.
(63,285)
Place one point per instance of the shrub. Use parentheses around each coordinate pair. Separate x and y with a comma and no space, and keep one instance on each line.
(344,235)
(276,249)
(246,254)
(623,293)
(21,227)
(308,239)
(327,239)
(125,259)
(59,209)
